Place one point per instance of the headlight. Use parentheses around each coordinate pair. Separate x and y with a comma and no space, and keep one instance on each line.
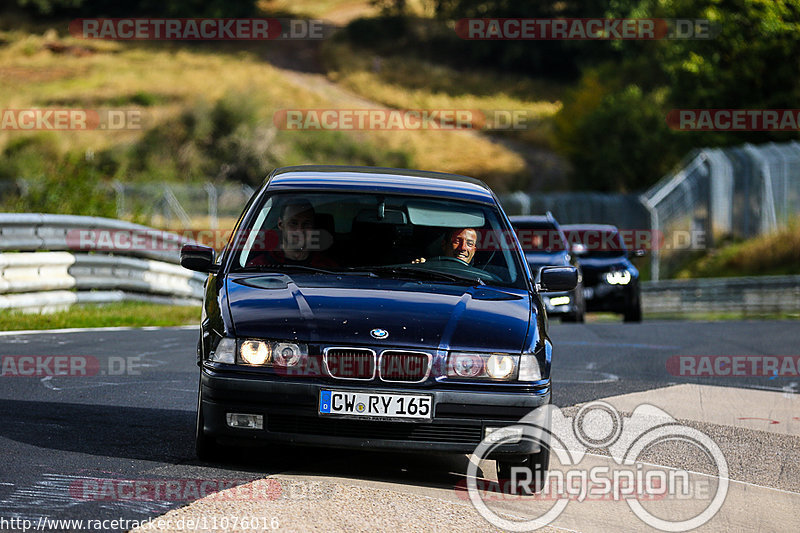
(287,354)
(466,365)
(529,369)
(500,366)
(225,352)
(482,366)
(618,277)
(271,353)
(559,300)
(254,352)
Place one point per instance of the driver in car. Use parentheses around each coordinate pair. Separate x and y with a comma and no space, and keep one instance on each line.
(460,244)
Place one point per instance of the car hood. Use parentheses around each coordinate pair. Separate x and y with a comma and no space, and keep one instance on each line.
(345,309)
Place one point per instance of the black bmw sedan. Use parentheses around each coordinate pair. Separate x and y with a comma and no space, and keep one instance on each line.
(610,279)
(371,308)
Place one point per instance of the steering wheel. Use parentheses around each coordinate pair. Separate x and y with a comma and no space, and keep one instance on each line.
(448,258)
(483,273)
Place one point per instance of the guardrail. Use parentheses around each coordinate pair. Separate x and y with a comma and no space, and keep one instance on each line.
(26,232)
(746,295)
(56,278)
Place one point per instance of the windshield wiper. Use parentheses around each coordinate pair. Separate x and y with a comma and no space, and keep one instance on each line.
(417,272)
(283,266)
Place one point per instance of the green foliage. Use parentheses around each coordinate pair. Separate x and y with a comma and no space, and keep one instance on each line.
(131,314)
(56,184)
(775,254)
(616,138)
(133,8)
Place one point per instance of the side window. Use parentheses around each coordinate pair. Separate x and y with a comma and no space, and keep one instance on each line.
(257,227)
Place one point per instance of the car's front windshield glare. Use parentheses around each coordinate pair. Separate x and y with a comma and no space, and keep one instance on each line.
(347,232)
(598,243)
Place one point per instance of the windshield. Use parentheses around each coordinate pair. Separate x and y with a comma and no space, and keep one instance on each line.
(597,242)
(400,236)
(539,237)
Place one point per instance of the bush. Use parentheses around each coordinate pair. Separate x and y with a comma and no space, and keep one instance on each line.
(617,139)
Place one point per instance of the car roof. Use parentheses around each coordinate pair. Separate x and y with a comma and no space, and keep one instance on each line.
(589,227)
(533,219)
(377,179)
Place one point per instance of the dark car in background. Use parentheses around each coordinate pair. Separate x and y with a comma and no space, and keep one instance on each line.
(328,329)
(544,244)
(610,279)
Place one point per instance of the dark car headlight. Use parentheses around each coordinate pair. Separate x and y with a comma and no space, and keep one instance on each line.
(258,352)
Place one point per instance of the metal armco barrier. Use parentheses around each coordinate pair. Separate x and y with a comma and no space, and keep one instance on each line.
(750,295)
(25,232)
(59,275)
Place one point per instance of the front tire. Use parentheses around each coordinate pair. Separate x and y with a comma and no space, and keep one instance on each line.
(205,447)
(538,463)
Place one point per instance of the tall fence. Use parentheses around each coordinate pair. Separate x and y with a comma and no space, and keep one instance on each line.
(739,192)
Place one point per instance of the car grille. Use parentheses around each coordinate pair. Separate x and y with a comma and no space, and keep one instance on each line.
(447,433)
(350,363)
(404,366)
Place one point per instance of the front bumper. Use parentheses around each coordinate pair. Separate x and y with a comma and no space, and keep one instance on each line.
(605,297)
(290,410)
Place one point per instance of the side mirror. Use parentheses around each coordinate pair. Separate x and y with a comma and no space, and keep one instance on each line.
(198,258)
(557,279)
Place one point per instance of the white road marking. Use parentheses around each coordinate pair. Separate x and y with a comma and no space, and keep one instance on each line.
(83,330)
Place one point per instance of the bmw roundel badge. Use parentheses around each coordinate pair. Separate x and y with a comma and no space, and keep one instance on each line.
(379,333)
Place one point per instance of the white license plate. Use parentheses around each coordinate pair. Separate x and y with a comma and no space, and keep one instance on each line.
(376,405)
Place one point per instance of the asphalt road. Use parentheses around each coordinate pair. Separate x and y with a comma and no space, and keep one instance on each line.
(66,439)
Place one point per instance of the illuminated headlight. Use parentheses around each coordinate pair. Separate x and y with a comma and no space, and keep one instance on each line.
(254,352)
(500,366)
(482,366)
(271,353)
(618,277)
(225,352)
(559,300)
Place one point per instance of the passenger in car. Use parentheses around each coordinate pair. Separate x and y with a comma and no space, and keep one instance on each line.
(300,239)
(460,243)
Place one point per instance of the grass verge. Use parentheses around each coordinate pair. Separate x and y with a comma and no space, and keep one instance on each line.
(134,314)
(775,254)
